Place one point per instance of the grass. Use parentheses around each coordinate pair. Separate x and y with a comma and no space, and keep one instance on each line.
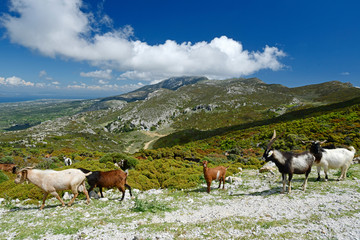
(149,206)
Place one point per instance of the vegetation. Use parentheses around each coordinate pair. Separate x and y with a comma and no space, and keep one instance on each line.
(179,167)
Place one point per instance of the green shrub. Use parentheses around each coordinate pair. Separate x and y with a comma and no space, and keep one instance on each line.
(130,162)
(46,164)
(7,159)
(149,206)
(3,177)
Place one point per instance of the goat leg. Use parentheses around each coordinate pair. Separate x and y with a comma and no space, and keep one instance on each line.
(306,179)
(318,171)
(55,194)
(73,199)
(122,189)
(290,178)
(86,194)
(208,187)
(284,182)
(129,189)
(43,202)
(101,193)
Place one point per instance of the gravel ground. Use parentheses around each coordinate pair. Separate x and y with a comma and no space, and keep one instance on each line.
(250,208)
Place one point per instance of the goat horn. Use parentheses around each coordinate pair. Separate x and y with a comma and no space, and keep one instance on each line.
(323,142)
(273,139)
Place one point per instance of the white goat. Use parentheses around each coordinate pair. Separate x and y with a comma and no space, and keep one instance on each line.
(51,181)
(67,161)
(332,158)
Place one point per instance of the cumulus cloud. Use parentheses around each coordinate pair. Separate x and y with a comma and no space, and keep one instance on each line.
(105,74)
(14,81)
(61,28)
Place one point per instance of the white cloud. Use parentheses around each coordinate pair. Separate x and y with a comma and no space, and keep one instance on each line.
(106,74)
(345,73)
(107,87)
(103,82)
(14,81)
(61,28)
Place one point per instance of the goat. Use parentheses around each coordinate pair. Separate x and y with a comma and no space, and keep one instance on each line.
(331,158)
(51,181)
(67,161)
(217,173)
(289,163)
(8,167)
(109,179)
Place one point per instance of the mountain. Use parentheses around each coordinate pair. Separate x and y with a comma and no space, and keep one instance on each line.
(142,93)
(129,122)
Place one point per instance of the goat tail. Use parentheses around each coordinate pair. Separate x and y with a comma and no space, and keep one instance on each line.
(227,167)
(352,149)
(87,174)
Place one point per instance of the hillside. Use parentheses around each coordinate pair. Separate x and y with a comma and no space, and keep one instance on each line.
(176,106)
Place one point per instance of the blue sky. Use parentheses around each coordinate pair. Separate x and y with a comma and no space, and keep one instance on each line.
(90,49)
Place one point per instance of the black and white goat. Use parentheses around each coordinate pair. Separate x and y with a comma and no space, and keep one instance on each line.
(331,158)
(289,163)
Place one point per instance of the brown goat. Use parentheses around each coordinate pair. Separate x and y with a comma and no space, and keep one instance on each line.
(217,173)
(109,179)
(8,167)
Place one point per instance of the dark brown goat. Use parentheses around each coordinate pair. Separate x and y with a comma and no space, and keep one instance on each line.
(8,167)
(109,179)
(217,173)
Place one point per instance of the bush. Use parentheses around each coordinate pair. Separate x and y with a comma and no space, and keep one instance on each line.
(7,159)
(149,206)
(129,162)
(3,177)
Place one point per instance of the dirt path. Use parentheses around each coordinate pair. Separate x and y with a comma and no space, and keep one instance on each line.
(154,135)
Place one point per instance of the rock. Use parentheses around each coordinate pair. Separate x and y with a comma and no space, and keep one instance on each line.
(268,167)
(104,199)
(93,194)
(228,180)
(233,179)
(356,160)
(2,200)
(68,196)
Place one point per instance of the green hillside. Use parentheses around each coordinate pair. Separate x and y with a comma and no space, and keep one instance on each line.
(177,165)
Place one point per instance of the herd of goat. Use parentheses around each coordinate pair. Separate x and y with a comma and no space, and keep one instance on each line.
(288,163)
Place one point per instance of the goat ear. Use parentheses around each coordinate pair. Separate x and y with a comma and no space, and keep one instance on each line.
(270,153)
